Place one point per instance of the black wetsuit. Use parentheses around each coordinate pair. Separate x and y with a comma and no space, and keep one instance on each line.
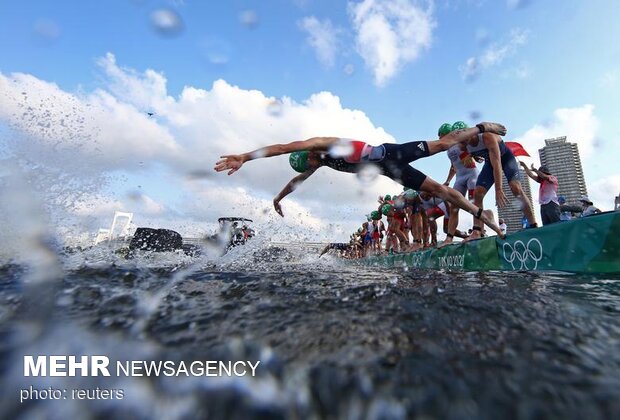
(392,159)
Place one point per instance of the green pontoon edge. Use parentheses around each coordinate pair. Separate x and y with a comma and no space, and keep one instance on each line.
(585,245)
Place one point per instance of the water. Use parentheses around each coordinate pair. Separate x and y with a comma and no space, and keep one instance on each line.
(334,340)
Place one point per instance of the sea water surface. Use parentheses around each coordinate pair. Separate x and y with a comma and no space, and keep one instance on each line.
(335,340)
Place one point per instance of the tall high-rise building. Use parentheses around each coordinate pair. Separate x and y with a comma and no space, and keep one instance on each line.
(513,213)
(562,159)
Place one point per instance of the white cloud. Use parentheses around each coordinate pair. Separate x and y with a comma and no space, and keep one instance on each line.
(579,125)
(494,55)
(391,33)
(322,37)
(73,142)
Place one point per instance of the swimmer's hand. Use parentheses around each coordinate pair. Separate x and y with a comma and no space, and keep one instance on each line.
(500,198)
(490,127)
(232,162)
(276,205)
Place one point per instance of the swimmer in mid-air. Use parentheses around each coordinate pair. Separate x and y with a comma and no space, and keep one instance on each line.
(392,159)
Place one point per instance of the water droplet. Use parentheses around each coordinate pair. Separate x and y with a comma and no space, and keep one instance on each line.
(46,31)
(275,108)
(341,148)
(134,195)
(65,300)
(475,115)
(217,51)
(198,174)
(368,174)
(167,22)
(349,69)
(249,19)
(258,154)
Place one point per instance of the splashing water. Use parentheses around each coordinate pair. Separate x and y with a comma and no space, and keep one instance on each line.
(332,339)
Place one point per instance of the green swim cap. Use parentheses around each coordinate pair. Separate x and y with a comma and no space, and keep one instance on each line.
(459,125)
(386,209)
(299,161)
(387,197)
(444,129)
(410,193)
(359,230)
(375,215)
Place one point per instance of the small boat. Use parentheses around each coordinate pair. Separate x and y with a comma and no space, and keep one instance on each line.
(233,231)
(583,245)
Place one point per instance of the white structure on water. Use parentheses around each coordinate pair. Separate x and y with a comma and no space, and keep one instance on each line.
(119,229)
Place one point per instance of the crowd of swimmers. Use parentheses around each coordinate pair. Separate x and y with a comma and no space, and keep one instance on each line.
(403,222)
(411,215)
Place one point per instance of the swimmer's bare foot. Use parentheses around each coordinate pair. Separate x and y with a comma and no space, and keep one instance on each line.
(416,246)
(491,127)
(446,242)
(488,219)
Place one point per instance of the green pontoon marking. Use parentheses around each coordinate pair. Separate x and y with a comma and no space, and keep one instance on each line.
(587,245)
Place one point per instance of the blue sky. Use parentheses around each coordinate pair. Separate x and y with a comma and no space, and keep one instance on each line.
(543,68)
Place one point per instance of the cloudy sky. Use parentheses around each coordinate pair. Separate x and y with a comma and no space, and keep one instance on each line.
(127,104)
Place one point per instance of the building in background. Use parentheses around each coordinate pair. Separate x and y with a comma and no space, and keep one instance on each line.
(512,213)
(562,159)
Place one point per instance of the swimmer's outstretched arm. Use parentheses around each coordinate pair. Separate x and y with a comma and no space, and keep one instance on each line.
(289,188)
(234,162)
(462,136)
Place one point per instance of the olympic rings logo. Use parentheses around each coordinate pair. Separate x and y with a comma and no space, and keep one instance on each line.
(523,256)
(416,260)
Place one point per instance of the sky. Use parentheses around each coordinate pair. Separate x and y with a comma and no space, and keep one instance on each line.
(125,105)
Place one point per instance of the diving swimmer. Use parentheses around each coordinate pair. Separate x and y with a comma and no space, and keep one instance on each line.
(392,159)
